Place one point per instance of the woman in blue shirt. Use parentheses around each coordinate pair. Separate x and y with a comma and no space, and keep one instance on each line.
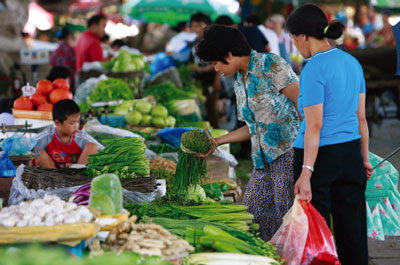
(331,165)
(266,90)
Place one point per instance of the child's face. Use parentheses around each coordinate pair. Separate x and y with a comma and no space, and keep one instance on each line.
(70,126)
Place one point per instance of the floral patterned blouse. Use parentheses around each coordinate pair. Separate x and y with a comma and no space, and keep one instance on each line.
(270,115)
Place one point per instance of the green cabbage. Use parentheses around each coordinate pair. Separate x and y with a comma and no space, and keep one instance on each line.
(146,120)
(133,117)
(159,111)
(195,193)
(126,62)
(170,121)
(158,121)
(142,106)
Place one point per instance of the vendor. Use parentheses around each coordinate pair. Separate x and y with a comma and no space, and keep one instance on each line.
(64,145)
(266,89)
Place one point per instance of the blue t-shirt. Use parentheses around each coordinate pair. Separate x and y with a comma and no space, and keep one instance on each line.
(335,79)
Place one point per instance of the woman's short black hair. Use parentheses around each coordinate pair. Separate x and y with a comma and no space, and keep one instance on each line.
(63,108)
(219,41)
(224,20)
(311,21)
(63,33)
(200,17)
(118,43)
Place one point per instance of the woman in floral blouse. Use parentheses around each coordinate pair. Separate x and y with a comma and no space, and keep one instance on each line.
(266,90)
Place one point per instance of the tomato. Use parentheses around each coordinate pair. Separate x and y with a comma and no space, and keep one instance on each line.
(44,87)
(59,94)
(23,103)
(61,83)
(45,107)
(38,99)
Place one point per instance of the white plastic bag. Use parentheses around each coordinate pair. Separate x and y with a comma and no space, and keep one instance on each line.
(94,126)
(291,237)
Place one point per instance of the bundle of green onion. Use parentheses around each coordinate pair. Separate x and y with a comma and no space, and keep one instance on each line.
(190,169)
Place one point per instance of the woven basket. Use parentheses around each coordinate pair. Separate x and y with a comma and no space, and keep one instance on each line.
(39,178)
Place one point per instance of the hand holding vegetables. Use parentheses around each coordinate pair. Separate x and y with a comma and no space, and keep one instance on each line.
(190,169)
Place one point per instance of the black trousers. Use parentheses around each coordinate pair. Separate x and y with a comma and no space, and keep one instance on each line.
(338,188)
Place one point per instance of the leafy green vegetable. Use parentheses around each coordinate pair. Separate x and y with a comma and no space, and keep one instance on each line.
(166,92)
(196,193)
(111,89)
(146,120)
(122,156)
(191,170)
(162,148)
(133,117)
(142,106)
(170,121)
(159,111)
(158,121)
(125,62)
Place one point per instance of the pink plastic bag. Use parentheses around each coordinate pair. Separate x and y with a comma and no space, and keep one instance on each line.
(291,237)
(320,247)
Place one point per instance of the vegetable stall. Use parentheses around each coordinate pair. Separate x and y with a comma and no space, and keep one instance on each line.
(146,198)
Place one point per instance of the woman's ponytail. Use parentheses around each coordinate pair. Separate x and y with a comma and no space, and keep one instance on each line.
(334,30)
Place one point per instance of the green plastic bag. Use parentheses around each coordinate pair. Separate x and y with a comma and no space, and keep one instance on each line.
(377,222)
(383,197)
(106,194)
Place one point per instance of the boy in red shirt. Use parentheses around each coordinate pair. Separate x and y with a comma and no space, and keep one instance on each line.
(64,145)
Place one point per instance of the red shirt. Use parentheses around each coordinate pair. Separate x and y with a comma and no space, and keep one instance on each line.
(88,49)
(63,154)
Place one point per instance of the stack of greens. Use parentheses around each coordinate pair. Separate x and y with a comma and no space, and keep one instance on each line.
(111,89)
(166,92)
(233,215)
(122,156)
(191,170)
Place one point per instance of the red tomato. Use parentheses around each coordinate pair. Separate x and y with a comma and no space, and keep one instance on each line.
(44,87)
(45,107)
(38,99)
(59,94)
(61,83)
(23,103)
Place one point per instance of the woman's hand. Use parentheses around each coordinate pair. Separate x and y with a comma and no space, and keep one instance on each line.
(303,186)
(209,152)
(368,169)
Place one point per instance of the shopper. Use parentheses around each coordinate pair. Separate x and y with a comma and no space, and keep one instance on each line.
(88,47)
(266,89)
(204,71)
(64,55)
(64,145)
(331,150)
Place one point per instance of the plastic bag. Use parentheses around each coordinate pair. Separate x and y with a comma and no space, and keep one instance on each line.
(19,192)
(7,168)
(172,136)
(21,145)
(291,237)
(320,247)
(94,127)
(86,88)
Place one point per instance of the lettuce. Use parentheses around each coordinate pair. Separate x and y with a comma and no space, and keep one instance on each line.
(159,111)
(133,117)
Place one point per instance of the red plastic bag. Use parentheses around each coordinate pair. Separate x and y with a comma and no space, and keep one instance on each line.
(320,247)
(291,237)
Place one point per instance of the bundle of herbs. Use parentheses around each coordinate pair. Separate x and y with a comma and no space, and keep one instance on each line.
(190,169)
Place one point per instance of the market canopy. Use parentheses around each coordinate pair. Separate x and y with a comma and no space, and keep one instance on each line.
(174,11)
(386,3)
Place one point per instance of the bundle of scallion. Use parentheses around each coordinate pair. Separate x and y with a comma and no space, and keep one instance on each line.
(190,169)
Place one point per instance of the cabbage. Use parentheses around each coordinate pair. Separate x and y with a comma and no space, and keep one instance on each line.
(133,117)
(158,121)
(126,62)
(170,121)
(146,120)
(195,193)
(142,106)
(159,111)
